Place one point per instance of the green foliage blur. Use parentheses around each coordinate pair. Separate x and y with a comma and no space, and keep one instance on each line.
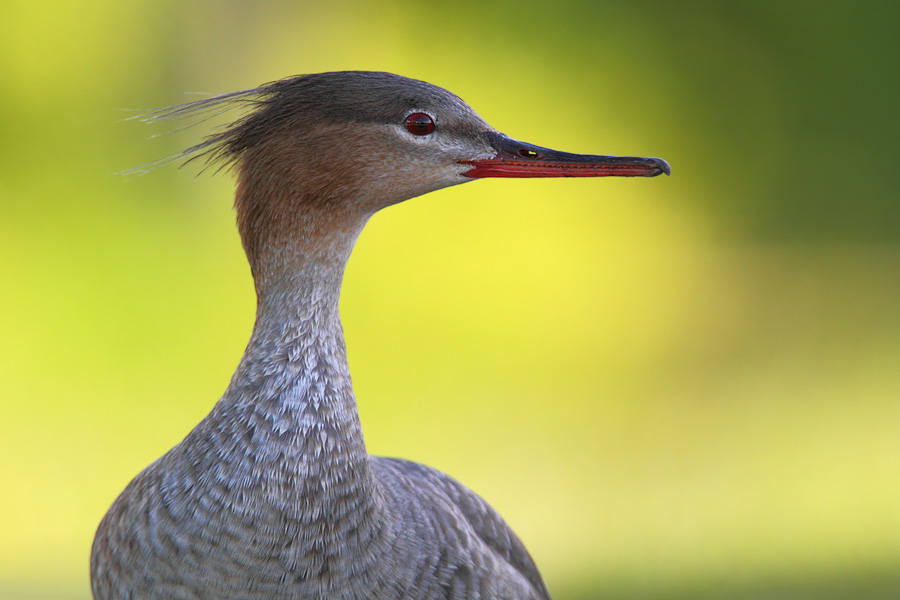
(683,387)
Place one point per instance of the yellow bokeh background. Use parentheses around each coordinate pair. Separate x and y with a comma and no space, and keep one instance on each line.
(683,387)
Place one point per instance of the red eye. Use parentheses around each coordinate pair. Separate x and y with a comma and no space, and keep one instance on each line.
(419,124)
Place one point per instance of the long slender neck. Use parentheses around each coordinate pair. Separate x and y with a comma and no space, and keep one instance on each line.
(293,388)
(292,393)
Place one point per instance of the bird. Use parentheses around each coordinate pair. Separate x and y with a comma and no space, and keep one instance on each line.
(273,494)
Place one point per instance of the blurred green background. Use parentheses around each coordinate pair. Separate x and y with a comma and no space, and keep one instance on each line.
(683,387)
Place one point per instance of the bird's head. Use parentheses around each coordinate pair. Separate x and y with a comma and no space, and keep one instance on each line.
(343,145)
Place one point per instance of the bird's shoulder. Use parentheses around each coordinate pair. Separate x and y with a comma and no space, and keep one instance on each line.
(449,500)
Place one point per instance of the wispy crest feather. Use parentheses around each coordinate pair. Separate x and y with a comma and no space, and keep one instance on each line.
(220,149)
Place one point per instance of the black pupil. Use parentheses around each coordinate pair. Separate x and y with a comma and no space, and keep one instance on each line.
(419,124)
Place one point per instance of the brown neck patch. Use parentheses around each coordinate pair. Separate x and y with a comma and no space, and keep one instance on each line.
(299,202)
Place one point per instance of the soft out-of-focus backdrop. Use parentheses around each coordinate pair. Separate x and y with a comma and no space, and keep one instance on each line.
(683,387)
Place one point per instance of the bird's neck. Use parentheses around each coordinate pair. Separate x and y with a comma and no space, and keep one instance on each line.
(291,394)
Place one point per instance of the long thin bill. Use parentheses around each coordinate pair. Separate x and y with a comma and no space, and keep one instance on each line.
(518,159)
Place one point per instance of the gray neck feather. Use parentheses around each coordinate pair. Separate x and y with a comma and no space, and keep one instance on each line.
(289,417)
